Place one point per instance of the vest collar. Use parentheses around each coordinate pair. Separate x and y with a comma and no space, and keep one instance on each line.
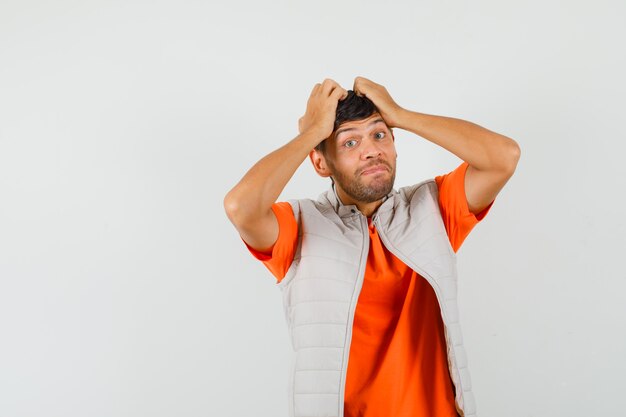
(351,209)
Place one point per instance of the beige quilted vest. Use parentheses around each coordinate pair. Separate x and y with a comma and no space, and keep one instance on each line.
(321,289)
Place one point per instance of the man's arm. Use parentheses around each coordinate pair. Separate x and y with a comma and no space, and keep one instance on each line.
(249,204)
(492,157)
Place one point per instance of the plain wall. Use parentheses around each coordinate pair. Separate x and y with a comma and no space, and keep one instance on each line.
(124,289)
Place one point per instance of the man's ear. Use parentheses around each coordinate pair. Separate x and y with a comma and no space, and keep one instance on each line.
(319,163)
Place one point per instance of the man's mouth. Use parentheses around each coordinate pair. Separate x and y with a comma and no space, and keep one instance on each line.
(375,169)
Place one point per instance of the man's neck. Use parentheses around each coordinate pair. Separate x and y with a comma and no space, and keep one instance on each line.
(368,209)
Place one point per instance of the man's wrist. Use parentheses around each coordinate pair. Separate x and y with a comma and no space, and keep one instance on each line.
(313,136)
(405,118)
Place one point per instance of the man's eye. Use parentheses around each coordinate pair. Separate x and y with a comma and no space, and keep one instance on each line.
(349,144)
(380,135)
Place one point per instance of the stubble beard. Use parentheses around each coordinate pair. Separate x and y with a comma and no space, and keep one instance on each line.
(354,186)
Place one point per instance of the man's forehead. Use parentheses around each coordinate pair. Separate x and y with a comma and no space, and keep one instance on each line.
(359,124)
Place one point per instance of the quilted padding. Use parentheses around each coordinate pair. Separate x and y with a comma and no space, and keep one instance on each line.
(322,286)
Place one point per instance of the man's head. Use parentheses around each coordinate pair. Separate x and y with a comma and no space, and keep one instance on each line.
(353,107)
(359,155)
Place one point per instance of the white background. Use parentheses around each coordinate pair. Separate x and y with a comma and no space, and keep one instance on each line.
(125,291)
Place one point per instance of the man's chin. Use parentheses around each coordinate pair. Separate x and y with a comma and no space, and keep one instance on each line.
(368,190)
(375,192)
(379,194)
(380,183)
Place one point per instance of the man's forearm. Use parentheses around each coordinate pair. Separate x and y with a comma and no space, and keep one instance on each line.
(481,148)
(262,184)
(249,204)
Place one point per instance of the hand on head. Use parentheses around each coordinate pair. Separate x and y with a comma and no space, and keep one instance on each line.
(388,108)
(321,107)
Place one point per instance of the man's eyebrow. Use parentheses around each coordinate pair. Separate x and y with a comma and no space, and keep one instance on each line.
(347,129)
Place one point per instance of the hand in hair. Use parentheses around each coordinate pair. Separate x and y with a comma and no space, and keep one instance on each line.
(249,204)
(389,109)
(321,107)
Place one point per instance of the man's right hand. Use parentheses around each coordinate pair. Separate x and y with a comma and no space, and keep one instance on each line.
(249,204)
(321,107)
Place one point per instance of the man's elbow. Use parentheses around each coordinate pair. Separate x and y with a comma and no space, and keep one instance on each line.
(511,157)
(232,207)
(242,213)
(516,152)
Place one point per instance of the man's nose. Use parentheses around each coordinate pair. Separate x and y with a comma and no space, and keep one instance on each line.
(370,150)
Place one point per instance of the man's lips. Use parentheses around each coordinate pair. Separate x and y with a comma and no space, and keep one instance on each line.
(375,169)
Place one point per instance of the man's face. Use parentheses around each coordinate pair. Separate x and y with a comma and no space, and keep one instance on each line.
(361,158)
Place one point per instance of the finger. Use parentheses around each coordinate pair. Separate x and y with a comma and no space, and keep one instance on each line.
(356,85)
(362,80)
(339,93)
(360,85)
(314,92)
(328,86)
(315,88)
(333,91)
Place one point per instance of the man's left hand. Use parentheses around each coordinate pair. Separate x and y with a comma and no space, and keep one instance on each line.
(389,109)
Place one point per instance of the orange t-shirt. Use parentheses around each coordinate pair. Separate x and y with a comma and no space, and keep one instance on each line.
(398,364)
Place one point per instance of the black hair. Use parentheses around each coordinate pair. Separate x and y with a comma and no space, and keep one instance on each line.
(353,107)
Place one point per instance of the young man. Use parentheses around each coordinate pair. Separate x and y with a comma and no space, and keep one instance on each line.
(368,273)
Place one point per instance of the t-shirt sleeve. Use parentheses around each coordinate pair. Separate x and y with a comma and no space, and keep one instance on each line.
(278,258)
(457,217)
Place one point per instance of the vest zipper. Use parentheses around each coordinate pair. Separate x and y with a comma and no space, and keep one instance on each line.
(353,303)
(430,281)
